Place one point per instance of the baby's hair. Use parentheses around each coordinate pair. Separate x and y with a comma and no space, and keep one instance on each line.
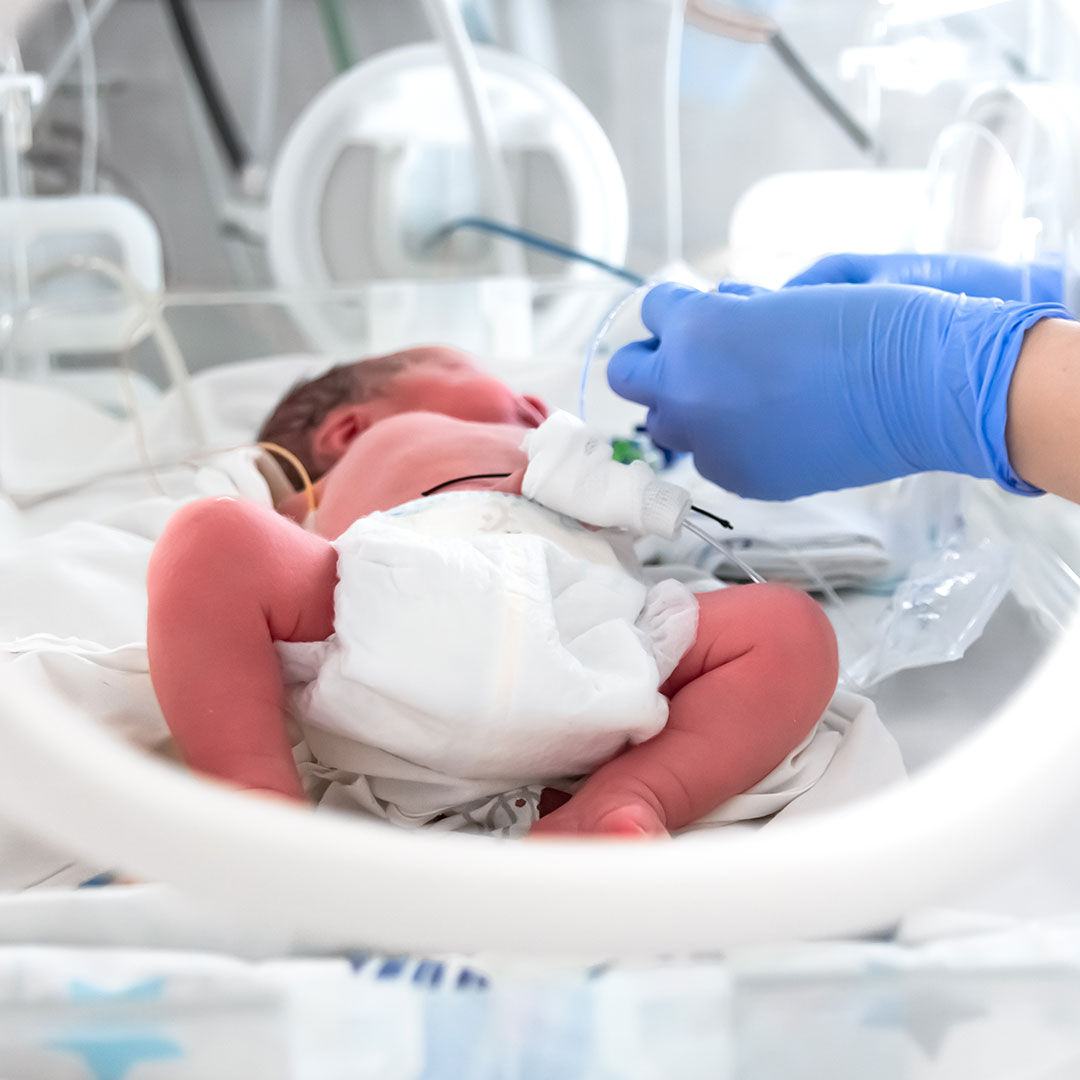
(293,422)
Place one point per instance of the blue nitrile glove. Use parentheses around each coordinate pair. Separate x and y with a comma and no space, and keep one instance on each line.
(779,394)
(1034,283)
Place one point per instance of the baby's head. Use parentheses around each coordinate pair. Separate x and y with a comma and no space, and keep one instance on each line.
(318,420)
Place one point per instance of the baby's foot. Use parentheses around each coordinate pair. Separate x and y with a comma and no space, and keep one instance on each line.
(630,818)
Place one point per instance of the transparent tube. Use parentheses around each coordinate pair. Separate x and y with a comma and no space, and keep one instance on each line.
(67,55)
(600,339)
(673,209)
(88,79)
(726,551)
(449,26)
(150,312)
(12,120)
(267,74)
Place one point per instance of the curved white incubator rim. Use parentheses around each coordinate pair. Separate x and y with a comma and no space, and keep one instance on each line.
(333,881)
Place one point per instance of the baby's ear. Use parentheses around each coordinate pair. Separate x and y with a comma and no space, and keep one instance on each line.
(335,434)
(536,411)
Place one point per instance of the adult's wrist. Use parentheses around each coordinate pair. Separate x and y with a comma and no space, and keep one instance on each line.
(994,341)
(1042,432)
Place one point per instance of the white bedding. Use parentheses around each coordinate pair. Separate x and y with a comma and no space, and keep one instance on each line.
(64,459)
(1001,1005)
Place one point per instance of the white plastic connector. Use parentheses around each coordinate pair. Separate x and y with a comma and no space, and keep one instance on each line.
(664,508)
(571,470)
(20,91)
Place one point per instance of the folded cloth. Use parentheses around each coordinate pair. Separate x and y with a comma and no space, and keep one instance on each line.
(840,537)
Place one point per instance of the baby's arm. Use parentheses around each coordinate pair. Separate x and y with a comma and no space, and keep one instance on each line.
(226,580)
(759,675)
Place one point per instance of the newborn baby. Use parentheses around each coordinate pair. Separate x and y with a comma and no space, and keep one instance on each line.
(447,642)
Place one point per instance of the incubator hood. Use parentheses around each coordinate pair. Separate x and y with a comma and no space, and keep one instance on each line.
(92,318)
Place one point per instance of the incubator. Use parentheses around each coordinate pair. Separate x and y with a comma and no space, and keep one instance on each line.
(505,188)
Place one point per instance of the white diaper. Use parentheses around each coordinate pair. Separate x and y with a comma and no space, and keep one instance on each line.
(483,644)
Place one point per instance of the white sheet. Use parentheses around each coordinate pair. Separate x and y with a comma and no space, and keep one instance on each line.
(63,459)
(994,1006)
(842,537)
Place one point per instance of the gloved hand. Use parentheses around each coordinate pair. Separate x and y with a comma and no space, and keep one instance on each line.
(1034,283)
(779,394)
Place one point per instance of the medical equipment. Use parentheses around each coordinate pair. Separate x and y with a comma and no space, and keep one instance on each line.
(571,469)
(388,128)
(232,143)
(41,243)
(1031,132)
(733,22)
(621,325)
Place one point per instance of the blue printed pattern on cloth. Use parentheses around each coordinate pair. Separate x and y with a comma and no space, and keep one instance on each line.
(111,1050)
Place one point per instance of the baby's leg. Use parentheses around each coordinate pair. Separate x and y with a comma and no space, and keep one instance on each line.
(757,678)
(226,580)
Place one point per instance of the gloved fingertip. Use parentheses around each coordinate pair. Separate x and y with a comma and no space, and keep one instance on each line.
(813,276)
(829,270)
(631,371)
(658,300)
(739,288)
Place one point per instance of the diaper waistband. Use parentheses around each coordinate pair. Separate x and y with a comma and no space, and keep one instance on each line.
(472,513)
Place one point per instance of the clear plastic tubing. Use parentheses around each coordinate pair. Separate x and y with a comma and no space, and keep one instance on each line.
(601,333)
(724,550)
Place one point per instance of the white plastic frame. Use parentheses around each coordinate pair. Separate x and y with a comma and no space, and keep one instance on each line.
(329,122)
(330,881)
(100,327)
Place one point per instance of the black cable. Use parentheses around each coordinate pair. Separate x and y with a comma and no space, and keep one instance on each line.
(821,94)
(708,514)
(502,476)
(194,49)
(462,479)
(534,240)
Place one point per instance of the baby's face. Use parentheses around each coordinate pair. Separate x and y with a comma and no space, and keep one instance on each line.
(447,381)
(398,458)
